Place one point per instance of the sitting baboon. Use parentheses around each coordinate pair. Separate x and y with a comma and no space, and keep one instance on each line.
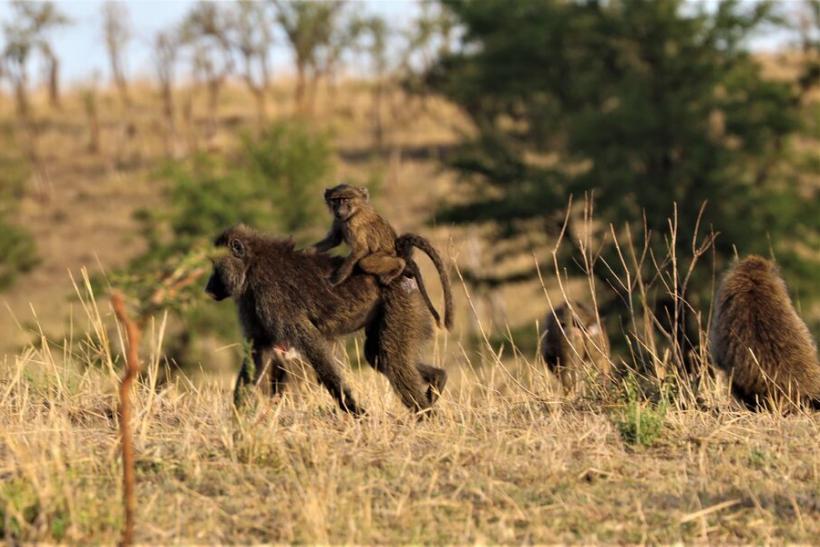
(371,239)
(572,340)
(284,302)
(760,341)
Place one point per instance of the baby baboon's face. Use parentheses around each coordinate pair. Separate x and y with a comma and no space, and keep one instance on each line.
(344,200)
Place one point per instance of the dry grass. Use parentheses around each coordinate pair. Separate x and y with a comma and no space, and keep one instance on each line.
(505,458)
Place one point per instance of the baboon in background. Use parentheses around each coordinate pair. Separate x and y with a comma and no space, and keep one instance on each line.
(760,341)
(371,239)
(283,300)
(572,339)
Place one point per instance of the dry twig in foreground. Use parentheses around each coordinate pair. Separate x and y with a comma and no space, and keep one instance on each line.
(131,371)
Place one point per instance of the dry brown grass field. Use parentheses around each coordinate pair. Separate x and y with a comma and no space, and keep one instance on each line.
(506,458)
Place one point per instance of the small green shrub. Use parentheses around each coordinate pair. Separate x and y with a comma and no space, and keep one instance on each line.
(641,420)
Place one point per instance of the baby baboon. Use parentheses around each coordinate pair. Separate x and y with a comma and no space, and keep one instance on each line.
(760,341)
(573,339)
(371,239)
(284,302)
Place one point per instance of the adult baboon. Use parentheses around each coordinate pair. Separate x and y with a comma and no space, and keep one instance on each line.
(572,339)
(284,300)
(760,341)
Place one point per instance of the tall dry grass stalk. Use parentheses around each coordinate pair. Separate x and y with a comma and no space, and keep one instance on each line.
(132,370)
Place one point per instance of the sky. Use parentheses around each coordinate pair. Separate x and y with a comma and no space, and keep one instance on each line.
(82,53)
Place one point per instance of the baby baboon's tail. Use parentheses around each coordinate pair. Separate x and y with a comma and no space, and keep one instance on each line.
(404,249)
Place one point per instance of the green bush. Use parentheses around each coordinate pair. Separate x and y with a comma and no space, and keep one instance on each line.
(641,420)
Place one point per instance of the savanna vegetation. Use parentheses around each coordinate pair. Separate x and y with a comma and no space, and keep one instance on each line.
(616,153)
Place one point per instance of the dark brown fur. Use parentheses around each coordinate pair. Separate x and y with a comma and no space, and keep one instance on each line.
(284,301)
(760,341)
(371,239)
(573,339)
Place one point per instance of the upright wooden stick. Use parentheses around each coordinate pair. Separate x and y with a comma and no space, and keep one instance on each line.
(126,440)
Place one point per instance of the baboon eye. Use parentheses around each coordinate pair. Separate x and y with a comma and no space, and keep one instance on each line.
(237,248)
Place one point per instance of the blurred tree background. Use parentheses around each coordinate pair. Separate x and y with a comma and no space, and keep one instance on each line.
(648,105)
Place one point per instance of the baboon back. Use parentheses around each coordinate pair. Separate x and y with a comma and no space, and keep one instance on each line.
(758,338)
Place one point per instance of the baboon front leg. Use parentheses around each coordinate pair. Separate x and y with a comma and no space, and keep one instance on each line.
(270,370)
(317,352)
(264,370)
(332,239)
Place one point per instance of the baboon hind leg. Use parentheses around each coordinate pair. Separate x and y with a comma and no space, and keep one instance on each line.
(391,349)
(384,265)
(434,377)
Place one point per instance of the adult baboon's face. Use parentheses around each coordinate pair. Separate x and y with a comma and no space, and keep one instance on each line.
(230,270)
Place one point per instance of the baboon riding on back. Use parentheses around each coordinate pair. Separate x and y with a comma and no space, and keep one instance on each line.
(284,299)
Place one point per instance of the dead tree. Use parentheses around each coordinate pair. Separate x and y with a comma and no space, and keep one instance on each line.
(312,31)
(117,32)
(27,33)
(204,30)
(251,34)
(165,58)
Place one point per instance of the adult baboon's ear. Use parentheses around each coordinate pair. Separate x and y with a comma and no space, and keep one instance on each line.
(365,193)
(237,248)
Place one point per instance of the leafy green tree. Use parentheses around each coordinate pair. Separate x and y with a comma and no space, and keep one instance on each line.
(650,104)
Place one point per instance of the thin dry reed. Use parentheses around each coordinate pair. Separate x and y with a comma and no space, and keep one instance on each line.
(124,415)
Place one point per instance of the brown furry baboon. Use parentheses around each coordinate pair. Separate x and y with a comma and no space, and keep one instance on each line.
(371,239)
(284,302)
(572,339)
(760,341)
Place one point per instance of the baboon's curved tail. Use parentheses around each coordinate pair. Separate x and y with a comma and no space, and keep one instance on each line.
(404,249)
